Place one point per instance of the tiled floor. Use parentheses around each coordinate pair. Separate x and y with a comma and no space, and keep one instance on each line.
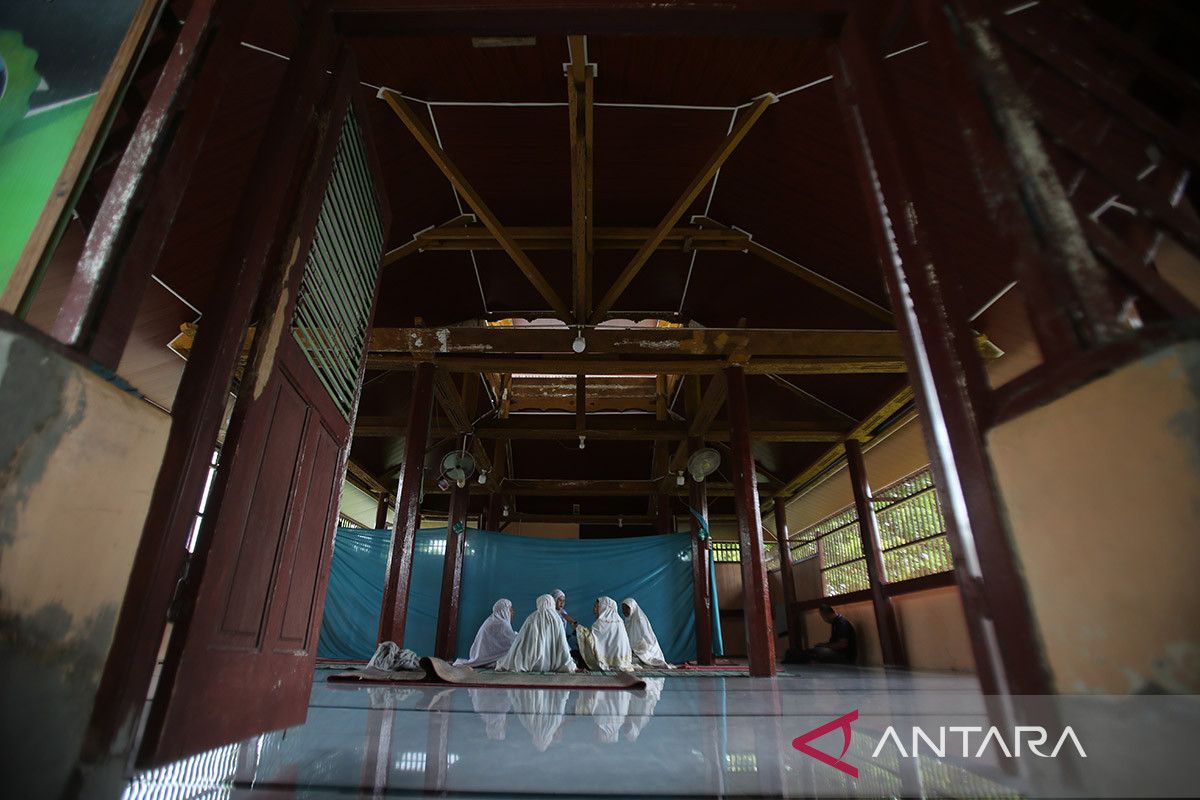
(685,737)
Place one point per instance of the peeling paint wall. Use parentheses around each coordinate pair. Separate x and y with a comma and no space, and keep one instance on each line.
(78,459)
(1102,492)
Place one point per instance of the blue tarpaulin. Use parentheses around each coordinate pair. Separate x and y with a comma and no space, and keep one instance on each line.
(654,570)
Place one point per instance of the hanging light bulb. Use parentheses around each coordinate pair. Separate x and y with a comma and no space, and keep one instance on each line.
(504,511)
(483,476)
(580,344)
(679,481)
(582,441)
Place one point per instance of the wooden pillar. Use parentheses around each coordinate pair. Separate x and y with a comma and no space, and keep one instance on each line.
(445,640)
(394,613)
(495,504)
(795,624)
(890,643)
(662,501)
(944,365)
(701,568)
(381,512)
(756,604)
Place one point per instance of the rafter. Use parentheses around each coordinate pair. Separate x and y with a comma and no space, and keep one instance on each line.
(681,205)
(862,432)
(550,237)
(416,244)
(359,474)
(830,287)
(580,76)
(474,200)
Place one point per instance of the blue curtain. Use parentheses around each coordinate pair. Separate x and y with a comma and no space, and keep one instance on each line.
(654,570)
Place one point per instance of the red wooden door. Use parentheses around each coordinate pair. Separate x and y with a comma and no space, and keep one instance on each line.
(248,655)
(241,660)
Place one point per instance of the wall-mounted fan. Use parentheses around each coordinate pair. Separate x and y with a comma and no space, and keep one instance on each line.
(703,462)
(458,466)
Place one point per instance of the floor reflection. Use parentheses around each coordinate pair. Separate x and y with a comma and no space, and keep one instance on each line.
(680,737)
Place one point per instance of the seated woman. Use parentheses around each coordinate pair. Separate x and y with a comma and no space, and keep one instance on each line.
(541,644)
(494,638)
(643,642)
(605,645)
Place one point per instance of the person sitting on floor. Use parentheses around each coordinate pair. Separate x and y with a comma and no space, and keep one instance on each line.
(541,644)
(605,645)
(643,642)
(842,647)
(495,636)
(560,604)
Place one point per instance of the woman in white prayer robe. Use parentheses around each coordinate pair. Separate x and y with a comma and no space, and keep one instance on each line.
(643,642)
(495,636)
(541,644)
(605,645)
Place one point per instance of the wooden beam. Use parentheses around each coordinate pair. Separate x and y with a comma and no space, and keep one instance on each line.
(681,205)
(598,488)
(580,77)
(476,237)
(625,427)
(592,365)
(810,276)
(474,200)
(657,342)
(584,519)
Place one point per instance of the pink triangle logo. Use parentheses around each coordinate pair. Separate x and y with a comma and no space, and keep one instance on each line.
(843,722)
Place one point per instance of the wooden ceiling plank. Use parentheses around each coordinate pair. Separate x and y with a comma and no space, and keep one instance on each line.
(429,144)
(681,205)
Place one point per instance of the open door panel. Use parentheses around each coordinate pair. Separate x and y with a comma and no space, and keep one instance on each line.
(241,657)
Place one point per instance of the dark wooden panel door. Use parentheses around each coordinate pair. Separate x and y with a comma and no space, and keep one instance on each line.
(247,661)
(241,658)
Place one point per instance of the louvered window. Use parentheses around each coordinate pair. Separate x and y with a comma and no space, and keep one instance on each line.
(339,277)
